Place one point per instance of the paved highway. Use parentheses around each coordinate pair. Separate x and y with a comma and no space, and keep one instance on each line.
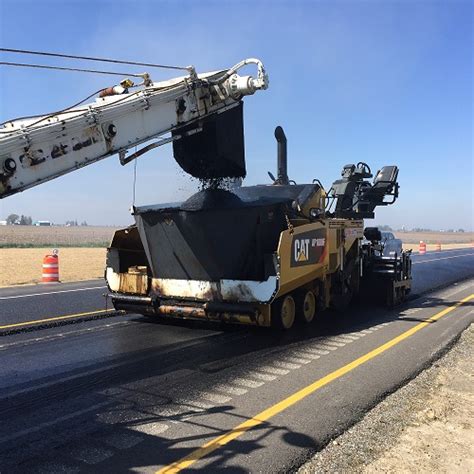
(69,302)
(436,269)
(32,307)
(125,393)
(32,303)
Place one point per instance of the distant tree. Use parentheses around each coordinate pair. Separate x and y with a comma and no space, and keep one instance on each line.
(460,230)
(84,223)
(25,220)
(385,227)
(12,219)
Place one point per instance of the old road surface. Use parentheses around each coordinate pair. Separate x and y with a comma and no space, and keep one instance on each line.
(86,389)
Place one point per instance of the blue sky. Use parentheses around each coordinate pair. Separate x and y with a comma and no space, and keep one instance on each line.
(375,81)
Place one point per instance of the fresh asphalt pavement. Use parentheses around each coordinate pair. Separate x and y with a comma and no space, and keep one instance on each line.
(124,393)
(37,302)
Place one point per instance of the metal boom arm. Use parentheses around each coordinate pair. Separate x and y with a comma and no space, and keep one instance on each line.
(36,150)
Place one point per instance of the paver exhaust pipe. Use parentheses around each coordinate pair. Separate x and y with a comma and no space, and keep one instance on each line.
(282,156)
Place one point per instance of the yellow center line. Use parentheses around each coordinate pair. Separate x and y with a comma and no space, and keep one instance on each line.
(270,412)
(57,318)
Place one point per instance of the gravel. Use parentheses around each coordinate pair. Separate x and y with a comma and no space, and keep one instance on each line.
(405,432)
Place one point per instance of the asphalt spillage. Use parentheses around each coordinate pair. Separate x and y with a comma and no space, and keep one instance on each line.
(212,198)
(227,183)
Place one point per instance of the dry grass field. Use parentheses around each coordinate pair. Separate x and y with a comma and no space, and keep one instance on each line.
(448,240)
(24,266)
(55,236)
(435,237)
(82,250)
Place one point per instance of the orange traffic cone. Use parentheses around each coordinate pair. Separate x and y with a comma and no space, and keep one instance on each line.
(51,268)
(422,249)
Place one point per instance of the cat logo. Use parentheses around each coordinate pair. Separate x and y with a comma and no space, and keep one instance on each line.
(301,250)
(308,248)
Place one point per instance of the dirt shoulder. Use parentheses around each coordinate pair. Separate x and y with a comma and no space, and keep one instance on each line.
(426,426)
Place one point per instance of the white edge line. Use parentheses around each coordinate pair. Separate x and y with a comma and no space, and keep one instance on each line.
(51,292)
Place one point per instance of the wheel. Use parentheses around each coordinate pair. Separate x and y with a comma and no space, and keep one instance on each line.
(391,295)
(403,295)
(346,286)
(341,299)
(283,312)
(305,306)
(395,295)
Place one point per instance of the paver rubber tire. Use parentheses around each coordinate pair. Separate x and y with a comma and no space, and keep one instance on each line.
(283,312)
(305,306)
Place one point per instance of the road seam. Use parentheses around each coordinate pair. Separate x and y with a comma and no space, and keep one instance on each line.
(223,392)
(57,318)
(51,337)
(183,408)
